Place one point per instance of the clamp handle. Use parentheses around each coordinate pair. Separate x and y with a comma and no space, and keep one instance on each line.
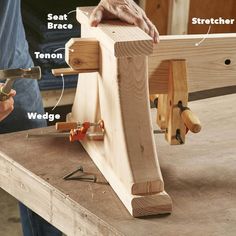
(190,120)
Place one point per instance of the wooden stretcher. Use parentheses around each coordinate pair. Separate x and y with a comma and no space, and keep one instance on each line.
(113,86)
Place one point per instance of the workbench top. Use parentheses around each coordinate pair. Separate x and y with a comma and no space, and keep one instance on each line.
(200,176)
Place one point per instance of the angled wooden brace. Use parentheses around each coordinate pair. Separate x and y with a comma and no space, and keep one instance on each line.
(118,94)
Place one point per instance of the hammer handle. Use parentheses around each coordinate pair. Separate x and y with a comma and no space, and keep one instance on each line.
(191,121)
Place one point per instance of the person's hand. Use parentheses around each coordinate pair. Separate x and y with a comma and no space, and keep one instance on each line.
(126,10)
(6,107)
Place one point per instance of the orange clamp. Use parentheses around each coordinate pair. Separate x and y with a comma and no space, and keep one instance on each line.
(79,134)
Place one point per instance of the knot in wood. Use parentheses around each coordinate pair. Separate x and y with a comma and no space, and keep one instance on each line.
(76,61)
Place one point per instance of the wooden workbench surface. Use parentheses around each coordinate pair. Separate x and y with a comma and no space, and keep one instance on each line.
(200,176)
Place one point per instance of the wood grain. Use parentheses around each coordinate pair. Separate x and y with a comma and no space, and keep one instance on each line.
(162,111)
(120,38)
(70,71)
(177,91)
(178,17)
(66,126)
(118,95)
(205,64)
(82,54)
(191,121)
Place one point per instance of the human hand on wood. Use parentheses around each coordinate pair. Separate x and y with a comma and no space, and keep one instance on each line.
(126,10)
(6,107)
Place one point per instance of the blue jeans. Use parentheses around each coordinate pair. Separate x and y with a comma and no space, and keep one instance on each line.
(34,225)
(28,99)
(14,54)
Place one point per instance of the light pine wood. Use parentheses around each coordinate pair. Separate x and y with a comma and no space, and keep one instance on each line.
(162,111)
(158,12)
(82,53)
(205,63)
(136,125)
(178,24)
(177,91)
(118,95)
(170,17)
(70,71)
(120,38)
(178,16)
(36,179)
(191,121)
(172,109)
(65,126)
(50,97)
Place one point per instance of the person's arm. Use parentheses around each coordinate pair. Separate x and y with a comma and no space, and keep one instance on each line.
(7,106)
(126,10)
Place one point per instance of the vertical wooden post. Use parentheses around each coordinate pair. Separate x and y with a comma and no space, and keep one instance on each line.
(162,111)
(178,16)
(177,92)
(118,94)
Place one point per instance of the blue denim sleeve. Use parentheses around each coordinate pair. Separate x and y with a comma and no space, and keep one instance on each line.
(14,53)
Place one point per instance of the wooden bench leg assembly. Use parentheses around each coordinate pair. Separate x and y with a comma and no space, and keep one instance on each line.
(127,157)
(118,93)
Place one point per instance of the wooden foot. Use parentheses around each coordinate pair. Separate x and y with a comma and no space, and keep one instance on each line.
(159,203)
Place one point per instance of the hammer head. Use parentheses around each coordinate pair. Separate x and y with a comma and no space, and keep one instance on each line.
(29,73)
(11,75)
